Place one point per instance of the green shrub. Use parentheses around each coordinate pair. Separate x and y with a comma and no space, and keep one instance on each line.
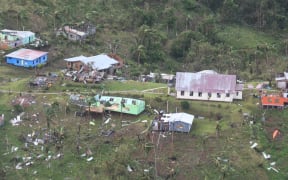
(185,105)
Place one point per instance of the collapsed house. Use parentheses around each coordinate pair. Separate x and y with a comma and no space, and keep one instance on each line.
(10,39)
(76,32)
(207,85)
(99,104)
(180,122)
(91,69)
(282,80)
(43,80)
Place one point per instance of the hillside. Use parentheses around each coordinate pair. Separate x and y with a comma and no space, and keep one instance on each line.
(168,36)
(57,139)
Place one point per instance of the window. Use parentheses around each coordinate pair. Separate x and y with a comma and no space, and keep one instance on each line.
(182,93)
(200,94)
(111,99)
(123,101)
(209,95)
(191,93)
(17,61)
(133,102)
(237,93)
(218,95)
(227,95)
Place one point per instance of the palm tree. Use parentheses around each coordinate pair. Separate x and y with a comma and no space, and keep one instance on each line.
(140,51)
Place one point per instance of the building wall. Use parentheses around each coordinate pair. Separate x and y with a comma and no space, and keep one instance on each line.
(27,63)
(238,95)
(74,65)
(28,40)
(205,96)
(179,126)
(281,84)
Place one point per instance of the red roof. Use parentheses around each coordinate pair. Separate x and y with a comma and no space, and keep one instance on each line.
(27,54)
(273,100)
(206,82)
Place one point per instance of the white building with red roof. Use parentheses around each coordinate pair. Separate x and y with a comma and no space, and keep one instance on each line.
(27,57)
(208,86)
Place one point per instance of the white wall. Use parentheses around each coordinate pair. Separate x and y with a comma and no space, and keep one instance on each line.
(239,95)
(205,96)
(281,84)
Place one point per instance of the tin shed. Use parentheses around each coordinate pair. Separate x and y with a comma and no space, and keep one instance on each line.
(181,122)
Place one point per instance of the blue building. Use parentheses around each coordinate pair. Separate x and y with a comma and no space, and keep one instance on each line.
(27,58)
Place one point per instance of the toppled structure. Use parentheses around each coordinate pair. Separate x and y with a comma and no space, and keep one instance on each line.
(10,39)
(92,69)
(99,104)
(77,32)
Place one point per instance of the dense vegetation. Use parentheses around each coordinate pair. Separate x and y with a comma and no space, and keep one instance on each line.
(230,36)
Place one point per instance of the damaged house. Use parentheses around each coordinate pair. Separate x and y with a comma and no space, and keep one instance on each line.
(119,104)
(76,32)
(282,80)
(207,85)
(27,58)
(92,67)
(11,38)
(99,104)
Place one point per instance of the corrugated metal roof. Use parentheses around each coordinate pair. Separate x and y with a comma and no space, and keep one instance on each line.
(100,62)
(27,54)
(183,117)
(21,34)
(203,82)
(78,58)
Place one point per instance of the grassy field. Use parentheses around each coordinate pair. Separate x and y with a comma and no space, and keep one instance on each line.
(202,153)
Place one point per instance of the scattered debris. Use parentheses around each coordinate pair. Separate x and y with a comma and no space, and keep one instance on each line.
(266,156)
(92,123)
(129,168)
(2,120)
(253,145)
(16,121)
(90,159)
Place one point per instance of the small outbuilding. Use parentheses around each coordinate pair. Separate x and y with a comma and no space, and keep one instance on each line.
(180,122)
(27,57)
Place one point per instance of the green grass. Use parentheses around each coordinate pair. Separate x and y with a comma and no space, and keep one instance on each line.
(243,37)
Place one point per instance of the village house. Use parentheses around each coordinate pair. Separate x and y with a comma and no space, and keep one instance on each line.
(11,38)
(27,58)
(208,86)
(282,80)
(76,32)
(180,122)
(109,103)
(101,63)
(273,101)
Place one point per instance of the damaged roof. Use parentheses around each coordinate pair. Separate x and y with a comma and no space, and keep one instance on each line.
(100,62)
(206,82)
(74,59)
(21,34)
